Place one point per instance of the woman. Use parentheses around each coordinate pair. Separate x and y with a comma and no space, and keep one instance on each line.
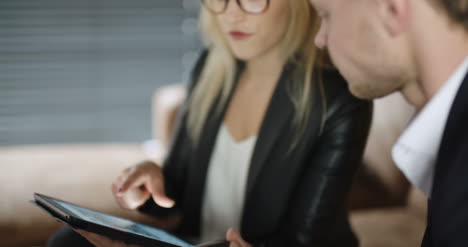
(267,141)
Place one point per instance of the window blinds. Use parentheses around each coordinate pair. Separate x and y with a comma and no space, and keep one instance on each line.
(84,71)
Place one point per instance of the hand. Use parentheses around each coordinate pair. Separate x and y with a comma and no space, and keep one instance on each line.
(101,241)
(136,184)
(235,239)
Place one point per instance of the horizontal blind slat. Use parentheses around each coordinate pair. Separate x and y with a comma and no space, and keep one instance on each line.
(79,71)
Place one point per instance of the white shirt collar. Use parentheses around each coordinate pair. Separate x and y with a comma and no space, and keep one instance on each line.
(417,148)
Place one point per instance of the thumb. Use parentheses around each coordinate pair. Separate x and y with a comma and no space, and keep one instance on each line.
(159,196)
(235,239)
(234,244)
(233,235)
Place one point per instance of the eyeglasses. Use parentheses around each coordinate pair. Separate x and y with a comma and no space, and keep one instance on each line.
(248,6)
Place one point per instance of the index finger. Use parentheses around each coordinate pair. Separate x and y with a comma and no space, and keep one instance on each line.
(135,178)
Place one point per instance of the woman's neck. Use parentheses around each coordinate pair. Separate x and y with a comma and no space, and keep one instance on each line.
(265,68)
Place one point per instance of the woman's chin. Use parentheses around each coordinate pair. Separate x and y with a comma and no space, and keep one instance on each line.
(243,54)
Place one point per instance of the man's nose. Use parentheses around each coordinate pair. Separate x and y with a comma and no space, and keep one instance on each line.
(321,37)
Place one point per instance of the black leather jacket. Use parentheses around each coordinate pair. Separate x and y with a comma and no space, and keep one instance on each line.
(294,197)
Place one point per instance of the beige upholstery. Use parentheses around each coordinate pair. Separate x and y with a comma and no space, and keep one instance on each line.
(166,102)
(83,174)
(78,173)
(400,218)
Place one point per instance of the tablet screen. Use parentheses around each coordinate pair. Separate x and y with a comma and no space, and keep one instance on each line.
(120,224)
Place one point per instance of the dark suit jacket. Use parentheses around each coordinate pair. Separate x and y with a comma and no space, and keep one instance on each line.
(294,197)
(447,220)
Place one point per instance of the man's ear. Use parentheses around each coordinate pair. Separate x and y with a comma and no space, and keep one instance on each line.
(396,15)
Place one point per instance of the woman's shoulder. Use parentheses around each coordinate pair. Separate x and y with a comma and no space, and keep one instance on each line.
(197,68)
(335,86)
(200,62)
(333,82)
(337,93)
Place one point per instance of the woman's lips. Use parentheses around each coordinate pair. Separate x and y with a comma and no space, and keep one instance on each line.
(236,35)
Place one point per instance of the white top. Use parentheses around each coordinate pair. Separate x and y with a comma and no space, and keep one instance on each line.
(417,148)
(223,200)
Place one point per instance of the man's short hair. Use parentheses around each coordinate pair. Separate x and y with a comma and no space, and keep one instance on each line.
(457,10)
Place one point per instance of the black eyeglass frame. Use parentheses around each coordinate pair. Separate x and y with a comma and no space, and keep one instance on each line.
(239,3)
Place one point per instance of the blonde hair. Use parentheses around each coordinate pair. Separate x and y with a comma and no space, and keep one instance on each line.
(217,77)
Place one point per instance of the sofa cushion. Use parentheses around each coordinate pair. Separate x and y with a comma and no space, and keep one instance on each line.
(389,227)
(390,117)
(81,174)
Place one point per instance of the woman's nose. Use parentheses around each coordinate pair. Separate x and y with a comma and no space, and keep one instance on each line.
(233,12)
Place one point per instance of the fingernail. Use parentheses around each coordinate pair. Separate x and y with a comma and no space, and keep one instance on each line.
(166,203)
(229,234)
(169,204)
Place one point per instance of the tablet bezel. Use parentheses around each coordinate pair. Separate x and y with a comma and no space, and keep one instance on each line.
(63,215)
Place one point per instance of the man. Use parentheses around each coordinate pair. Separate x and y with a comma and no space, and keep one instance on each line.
(420,48)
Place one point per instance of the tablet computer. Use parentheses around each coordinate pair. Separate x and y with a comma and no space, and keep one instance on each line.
(111,226)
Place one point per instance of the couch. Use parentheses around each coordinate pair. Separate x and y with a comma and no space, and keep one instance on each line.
(386,210)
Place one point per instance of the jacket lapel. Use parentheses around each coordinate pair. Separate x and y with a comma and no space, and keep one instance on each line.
(202,155)
(456,116)
(280,110)
(279,113)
